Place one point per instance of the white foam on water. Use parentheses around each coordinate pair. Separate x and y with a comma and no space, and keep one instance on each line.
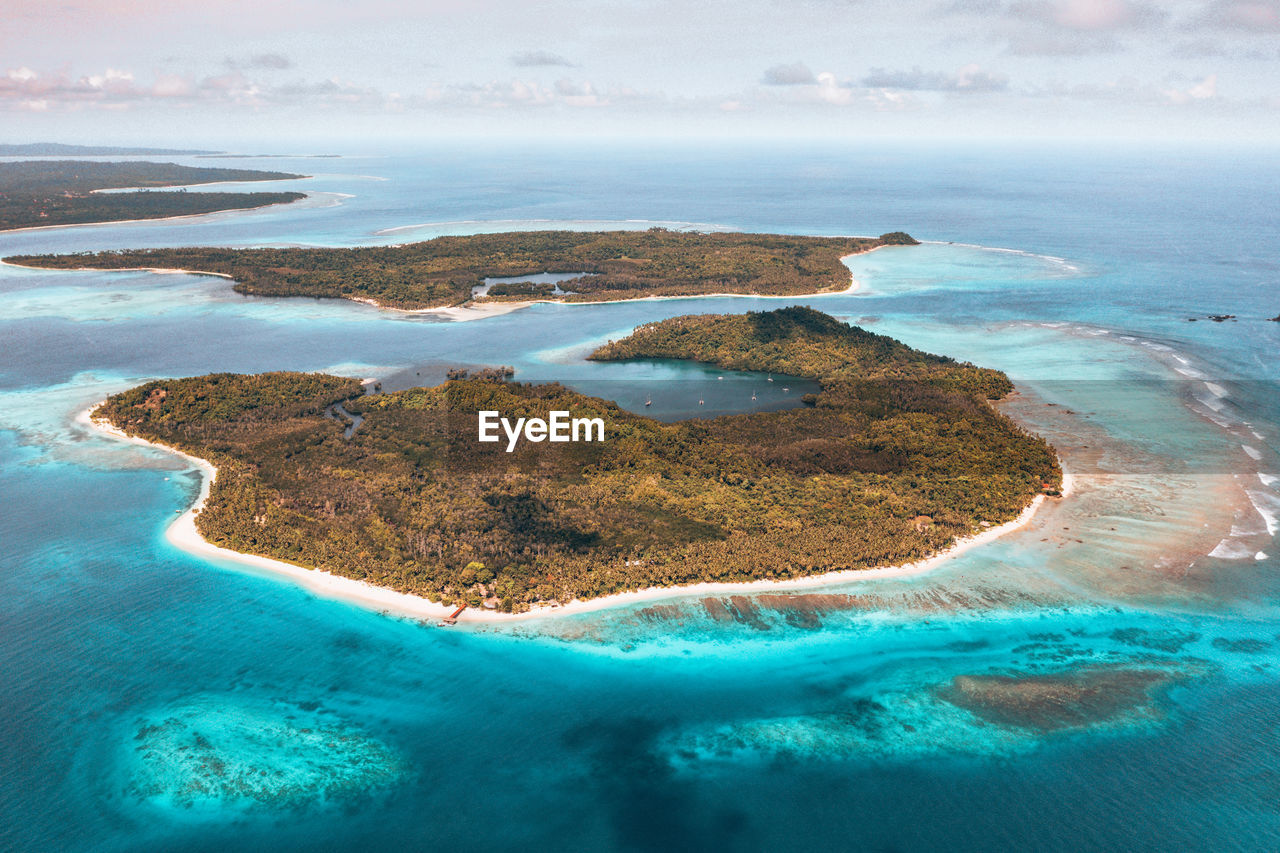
(1253,452)
(1230,549)
(1268,479)
(1261,555)
(1258,435)
(1268,506)
(1216,390)
(1214,403)
(1190,372)
(1219,421)
(1062,262)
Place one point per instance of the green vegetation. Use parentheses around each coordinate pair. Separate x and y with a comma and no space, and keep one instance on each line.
(801,342)
(521,289)
(443,271)
(899,455)
(62,192)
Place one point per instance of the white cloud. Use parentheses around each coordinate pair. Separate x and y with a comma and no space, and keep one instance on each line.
(1202,91)
(112,77)
(832,90)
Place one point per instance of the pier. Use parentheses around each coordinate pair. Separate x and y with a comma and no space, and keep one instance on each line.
(452,618)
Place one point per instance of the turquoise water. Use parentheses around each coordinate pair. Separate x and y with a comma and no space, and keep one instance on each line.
(1096,680)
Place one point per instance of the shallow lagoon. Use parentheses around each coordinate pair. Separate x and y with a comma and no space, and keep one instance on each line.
(764,723)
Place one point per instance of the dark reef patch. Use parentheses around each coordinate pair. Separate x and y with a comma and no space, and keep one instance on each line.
(1168,640)
(1064,700)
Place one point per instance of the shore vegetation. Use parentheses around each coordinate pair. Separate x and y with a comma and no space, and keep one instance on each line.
(39,193)
(444,272)
(899,455)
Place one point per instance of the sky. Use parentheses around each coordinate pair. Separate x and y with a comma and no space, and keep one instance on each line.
(171,71)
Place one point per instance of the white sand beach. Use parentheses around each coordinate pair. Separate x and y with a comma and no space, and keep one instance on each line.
(183,534)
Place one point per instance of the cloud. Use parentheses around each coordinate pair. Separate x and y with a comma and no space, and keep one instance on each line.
(1202,91)
(112,78)
(259,62)
(26,89)
(115,89)
(970,78)
(796,74)
(1104,15)
(1061,27)
(517,94)
(834,91)
(1255,16)
(1087,16)
(1128,91)
(270,61)
(539,58)
(1203,48)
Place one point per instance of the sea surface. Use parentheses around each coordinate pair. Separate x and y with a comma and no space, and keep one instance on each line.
(1103,679)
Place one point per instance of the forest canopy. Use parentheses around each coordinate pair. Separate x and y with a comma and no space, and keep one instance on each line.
(64,192)
(898,455)
(606,265)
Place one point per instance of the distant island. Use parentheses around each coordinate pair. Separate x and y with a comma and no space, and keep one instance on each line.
(451,271)
(40,193)
(897,457)
(226,156)
(57,149)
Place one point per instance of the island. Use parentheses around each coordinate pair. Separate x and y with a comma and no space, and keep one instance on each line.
(59,149)
(451,271)
(40,193)
(897,457)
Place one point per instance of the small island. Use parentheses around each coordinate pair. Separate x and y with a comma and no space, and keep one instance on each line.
(450,271)
(897,457)
(60,149)
(40,193)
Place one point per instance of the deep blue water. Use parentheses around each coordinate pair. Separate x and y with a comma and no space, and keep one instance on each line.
(628,730)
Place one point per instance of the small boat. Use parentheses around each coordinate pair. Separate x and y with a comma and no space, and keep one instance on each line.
(785,389)
(753,395)
(648,402)
(770,378)
(701,401)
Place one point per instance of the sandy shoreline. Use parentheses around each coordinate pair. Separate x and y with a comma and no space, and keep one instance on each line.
(478,310)
(182,533)
(157,270)
(457,313)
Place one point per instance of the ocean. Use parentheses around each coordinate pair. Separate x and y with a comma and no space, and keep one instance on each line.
(1104,678)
